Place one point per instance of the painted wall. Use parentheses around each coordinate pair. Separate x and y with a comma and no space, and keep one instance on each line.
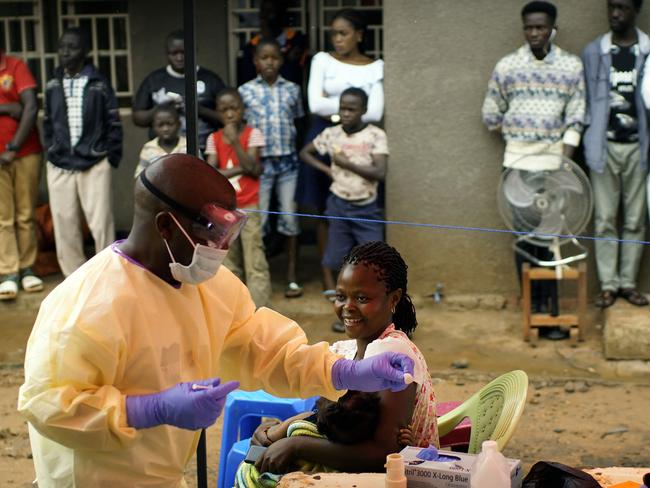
(444,165)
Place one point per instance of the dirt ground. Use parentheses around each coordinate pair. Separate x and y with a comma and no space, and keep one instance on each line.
(582,410)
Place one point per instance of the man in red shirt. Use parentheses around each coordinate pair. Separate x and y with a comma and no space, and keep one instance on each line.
(20,166)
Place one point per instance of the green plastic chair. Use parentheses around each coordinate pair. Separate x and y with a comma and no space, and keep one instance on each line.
(494,411)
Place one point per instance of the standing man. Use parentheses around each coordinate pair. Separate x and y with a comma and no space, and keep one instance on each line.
(121,366)
(536,100)
(616,149)
(167,85)
(20,170)
(83,135)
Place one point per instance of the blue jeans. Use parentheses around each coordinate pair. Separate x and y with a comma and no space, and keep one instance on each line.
(281,173)
(343,235)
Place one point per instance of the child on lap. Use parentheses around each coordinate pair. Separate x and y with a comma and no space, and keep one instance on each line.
(350,420)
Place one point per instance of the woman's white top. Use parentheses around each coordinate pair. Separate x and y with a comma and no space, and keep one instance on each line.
(329,77)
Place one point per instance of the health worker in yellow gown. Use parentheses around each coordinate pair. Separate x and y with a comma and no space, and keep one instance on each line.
(136,351)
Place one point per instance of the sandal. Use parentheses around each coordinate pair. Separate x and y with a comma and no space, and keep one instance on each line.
(9,287)
(293,290)
(605,299)
(330,295)
(30,282)
(633,296)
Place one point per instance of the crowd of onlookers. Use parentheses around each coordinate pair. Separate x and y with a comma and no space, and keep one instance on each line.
(252,134)
(544,100)
(541,99)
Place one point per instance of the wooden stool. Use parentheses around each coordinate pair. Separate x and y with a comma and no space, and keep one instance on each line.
(533,321)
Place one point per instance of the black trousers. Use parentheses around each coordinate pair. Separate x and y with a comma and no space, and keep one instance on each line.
(543,293)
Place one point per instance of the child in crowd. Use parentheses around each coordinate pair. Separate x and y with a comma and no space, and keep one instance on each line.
(273,104)
(350,420)
(166,124)
(359,154)
(235,152)
(373,303)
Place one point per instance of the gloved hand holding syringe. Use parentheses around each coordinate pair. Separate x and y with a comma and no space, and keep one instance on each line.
(196,405)
(191,405)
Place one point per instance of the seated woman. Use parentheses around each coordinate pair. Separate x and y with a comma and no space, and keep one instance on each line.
(373,304)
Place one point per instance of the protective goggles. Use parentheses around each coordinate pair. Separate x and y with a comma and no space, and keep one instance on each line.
(215,225)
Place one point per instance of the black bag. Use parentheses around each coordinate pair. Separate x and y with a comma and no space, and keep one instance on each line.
(547,474)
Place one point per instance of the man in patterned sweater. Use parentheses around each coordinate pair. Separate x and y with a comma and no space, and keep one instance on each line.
(536,100)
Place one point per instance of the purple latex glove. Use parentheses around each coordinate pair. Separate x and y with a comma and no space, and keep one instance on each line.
(180,406)
(376,373)
(431,454)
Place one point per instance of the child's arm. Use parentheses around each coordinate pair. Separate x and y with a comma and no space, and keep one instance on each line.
(248,160)
(375,172)
(212,160)
(268,433)
(307,154)
(227,172)
(396,411)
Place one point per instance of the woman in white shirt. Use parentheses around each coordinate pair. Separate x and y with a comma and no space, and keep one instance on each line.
(331,73)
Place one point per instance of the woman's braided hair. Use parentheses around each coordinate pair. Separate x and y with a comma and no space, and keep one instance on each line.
(392,270)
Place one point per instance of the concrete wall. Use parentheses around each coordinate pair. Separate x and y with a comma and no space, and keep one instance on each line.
(444,165)
(151,21)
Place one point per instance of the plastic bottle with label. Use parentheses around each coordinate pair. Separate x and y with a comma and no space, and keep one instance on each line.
(490,468)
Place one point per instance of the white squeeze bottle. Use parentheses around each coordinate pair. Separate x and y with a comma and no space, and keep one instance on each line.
(490,470)
(395,477)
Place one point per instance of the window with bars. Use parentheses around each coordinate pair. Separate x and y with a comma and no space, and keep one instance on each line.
(31,29)
(243,24)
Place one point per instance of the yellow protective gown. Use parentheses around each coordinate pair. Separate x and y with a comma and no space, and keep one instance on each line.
(114,329)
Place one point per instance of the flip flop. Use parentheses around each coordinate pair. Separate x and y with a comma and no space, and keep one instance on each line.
(9,288)
(30,282)
(293,290)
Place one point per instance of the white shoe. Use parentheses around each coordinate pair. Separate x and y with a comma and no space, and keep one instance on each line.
(8,289)
(31,283)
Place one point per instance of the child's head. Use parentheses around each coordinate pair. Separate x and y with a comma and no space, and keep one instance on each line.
(230,106)
(166,122)
(352,105)
(268,59)
(353,418)
(371,292)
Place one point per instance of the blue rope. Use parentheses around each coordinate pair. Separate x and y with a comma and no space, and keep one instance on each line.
(447,227)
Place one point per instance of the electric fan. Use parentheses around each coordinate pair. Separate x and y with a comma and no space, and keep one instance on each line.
(547,207)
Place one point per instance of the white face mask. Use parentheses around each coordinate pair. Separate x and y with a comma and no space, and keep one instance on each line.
(205,263)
